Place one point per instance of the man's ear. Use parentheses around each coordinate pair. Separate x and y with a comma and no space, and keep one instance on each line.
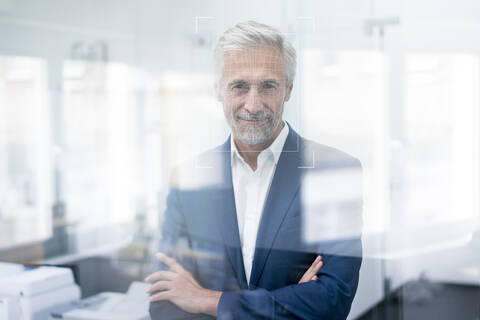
(289,92)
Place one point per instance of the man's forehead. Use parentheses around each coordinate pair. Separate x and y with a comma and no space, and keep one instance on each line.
(258,59)
(256,54)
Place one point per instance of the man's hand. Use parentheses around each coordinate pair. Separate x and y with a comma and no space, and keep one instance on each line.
(179,287)
(311,273)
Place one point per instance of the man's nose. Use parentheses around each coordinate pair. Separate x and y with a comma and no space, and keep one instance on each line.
(253,103)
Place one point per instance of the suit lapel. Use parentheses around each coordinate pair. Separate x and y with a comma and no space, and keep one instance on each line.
(284,186)
(227,217)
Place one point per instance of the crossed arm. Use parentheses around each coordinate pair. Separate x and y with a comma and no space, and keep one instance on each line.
(178,286)
(176,294)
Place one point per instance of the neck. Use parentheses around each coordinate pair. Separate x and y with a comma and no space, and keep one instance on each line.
(250,152)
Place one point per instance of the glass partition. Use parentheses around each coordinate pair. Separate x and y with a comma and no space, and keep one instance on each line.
(26,191)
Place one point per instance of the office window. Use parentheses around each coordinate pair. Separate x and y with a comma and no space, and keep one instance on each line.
(184,106)
(25,158)
(441,138)
(344,107)
(102,183)
(181,119)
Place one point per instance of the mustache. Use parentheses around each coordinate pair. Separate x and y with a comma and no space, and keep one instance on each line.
(258,116)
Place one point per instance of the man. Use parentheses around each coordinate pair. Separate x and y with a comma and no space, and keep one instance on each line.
(233,238)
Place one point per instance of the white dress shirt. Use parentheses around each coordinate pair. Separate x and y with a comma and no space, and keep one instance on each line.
(251,190)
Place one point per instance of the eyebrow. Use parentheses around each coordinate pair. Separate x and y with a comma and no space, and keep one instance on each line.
(240,81)
(234,82)
(271,81)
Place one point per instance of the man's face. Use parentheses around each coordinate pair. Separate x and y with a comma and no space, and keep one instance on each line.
(253,90)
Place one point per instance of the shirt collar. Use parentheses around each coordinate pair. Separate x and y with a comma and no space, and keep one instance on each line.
(276,147)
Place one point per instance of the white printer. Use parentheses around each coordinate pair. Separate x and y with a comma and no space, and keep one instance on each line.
(132,305)
(29,293)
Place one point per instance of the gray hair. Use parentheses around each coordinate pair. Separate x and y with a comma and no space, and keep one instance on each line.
(246,35)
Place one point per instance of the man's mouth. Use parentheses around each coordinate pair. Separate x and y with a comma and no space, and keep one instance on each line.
(253,121)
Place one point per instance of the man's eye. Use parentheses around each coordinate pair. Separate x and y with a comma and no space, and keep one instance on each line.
(240,87)
(268,86)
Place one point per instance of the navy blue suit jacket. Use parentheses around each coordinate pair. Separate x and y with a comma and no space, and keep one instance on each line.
(200,230)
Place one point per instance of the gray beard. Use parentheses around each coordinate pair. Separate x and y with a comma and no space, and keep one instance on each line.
(256,135)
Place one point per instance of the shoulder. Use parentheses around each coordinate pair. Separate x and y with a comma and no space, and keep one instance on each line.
(327,157)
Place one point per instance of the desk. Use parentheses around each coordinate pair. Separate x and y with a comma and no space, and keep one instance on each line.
(449,301)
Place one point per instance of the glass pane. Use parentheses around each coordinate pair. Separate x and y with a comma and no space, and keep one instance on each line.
(441,92)
(101,127)
(343,99)
(25,167)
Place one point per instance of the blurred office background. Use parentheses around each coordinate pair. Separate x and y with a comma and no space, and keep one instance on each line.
(99,99)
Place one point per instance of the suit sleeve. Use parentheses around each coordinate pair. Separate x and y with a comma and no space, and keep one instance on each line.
(174,239)
(329,297)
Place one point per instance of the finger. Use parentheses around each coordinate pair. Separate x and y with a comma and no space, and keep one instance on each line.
(311,270)
(314,277)
(307,276)
(161,275)
(317,268)
(317,260)
(170,262)
(164,295)
(160,286)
